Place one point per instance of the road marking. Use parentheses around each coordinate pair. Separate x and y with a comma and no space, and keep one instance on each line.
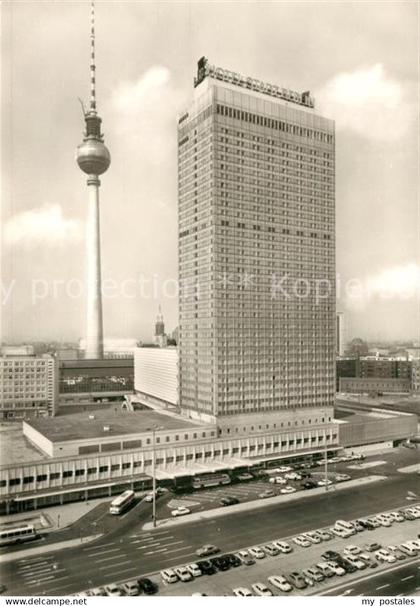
(406,578)
(179,549)
(98,546)
(383,586)
(39,580)
(93,555)
(115,565)
(123,555)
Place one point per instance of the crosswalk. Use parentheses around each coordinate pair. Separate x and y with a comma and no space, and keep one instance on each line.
(41,571)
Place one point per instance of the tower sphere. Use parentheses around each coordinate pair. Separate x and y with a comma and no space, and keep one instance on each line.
(93,157)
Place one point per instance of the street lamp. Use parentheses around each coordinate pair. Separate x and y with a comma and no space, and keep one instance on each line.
(154,429)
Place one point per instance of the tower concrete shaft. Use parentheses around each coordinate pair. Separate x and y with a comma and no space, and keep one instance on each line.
(94,326)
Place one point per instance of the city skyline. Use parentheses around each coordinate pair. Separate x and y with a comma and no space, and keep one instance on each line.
(142,84)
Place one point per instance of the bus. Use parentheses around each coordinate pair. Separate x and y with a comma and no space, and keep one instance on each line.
(18,534)
(121,503)
(211,479)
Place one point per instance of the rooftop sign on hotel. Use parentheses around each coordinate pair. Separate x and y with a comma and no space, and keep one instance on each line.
(204,70)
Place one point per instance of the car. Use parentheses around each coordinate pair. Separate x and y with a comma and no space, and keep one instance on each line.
(336,568)
(229,501)
(194,569)
(180,511)
(206,567)
(396,516)
(245,557)
(207,550)
(183,573)
(357,526)
(131,588)
(324,535)
(341,532)
(365,524)
(372,546)
(355,561)
(280,582)
(309,484)
(297,580)
(301,541)
(374,522)
(283,469)
(352,550)
(314,574)
(113,590)
(324,482)
(233,559)
(220,563)
(287,490)
(342,477)
(270,549)
(147,586)
(369,561)
(408,549)
(242,592)
(98,592)
(406,515)
(283,546)
(244,477)
(414,543)
(266,494)
(330,555)
(256,552)
(325,569)
(396,552)
(414,512)
(292,475)
(347,565)
(261,589)
(312,536)
(277,480)
(383,555)
(383,520)
(169,576)
(149,497)
(308,580)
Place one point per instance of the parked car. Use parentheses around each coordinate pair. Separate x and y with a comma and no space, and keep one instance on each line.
(325,569)
(287,490)
(194,569)
(356,561)
(233,559)
(369,561)
(301,541)
(261,589)
(270,549)
(221,563)
(206,567)
(183,573)
(314,574)
(244,477)
(396,552)
(277,480)
(245,557)
(297,580)
(283,469)
(372,546)
(330,555)
(312,536)
(336,568)
(283,546)
(131,588)
(352,550)
(383,555)
(324,535)
(256,552)
(147,586)
(242,592)
(280,582)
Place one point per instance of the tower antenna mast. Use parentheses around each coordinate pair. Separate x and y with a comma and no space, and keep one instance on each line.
(92,59)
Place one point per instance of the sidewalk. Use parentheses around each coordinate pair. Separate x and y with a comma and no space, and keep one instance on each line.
(250,505)
(28,553)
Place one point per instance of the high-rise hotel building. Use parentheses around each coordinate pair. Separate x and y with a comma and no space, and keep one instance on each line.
(256,255)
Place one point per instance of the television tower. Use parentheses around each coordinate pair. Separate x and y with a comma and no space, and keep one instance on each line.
(93,159)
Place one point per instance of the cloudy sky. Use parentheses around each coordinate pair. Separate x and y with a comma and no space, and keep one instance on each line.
(359,59)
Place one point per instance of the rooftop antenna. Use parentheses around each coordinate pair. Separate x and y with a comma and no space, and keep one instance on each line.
(92,59)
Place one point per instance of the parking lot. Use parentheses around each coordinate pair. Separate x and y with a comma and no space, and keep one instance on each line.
(223,583)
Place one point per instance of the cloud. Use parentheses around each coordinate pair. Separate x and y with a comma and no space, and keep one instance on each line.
(144,114)
(368,102)
(45,226)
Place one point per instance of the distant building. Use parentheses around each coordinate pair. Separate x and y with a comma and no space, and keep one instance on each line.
(156,375)
(373,375)
(17,350)
(28,386)
(87,380)
(161,339)
(118,348)
(339,333)
(415,376)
